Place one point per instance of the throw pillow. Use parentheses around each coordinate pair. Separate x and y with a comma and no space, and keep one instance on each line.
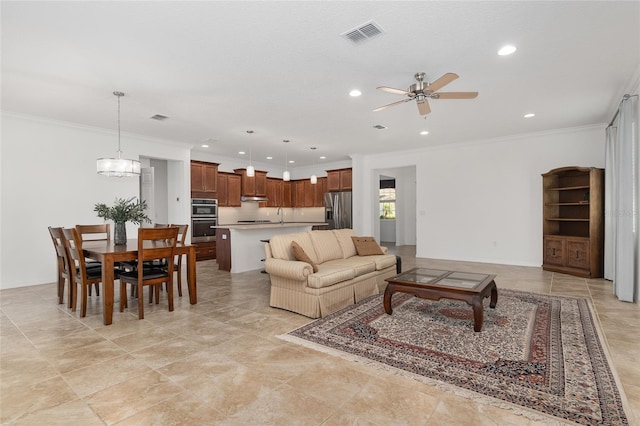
(366,246)
(300,255)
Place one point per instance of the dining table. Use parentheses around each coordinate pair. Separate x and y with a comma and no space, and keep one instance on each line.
(109,254)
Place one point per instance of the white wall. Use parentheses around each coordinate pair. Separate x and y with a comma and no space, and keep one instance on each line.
(48,178)
(480,201)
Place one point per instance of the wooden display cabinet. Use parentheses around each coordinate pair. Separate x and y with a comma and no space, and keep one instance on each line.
(573,230)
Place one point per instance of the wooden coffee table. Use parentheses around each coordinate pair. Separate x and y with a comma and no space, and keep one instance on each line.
(435,284)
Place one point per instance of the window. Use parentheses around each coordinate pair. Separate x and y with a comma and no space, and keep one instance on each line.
(387,203)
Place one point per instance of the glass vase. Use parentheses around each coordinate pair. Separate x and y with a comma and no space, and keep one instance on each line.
(120,234)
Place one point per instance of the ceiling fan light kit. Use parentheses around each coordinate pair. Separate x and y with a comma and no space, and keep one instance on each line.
(421,91)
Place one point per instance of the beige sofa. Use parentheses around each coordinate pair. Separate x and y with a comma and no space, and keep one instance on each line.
(343,277)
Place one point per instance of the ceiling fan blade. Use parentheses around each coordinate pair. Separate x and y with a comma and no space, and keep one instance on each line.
(391,104)
(423,107)
(441,82)
(392,90)
(456,95)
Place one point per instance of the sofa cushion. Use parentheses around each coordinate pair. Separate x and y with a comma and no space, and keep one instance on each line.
(360,265)
(383,261)
(329,274)
(346,243)
(366,246)
(326,245)
(299,254)
(281,246)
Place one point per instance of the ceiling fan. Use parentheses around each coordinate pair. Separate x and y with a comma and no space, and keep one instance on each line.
(421,91)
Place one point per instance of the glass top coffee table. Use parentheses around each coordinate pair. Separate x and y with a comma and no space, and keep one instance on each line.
(434,284)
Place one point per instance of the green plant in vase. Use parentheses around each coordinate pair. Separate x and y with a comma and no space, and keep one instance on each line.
(123,211)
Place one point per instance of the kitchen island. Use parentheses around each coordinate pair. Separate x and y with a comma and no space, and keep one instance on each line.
(240,247)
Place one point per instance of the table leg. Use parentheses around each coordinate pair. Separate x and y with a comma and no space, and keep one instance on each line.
(107,284)
(191,275)
(494,295)
(478,314)
(388,292)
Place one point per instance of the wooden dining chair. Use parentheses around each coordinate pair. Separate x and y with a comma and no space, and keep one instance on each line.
(80,274)
(100,232)
(182,237)
(153,244)
(57,237)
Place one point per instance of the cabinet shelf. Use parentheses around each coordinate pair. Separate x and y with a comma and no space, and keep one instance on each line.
(566,219)
(568,188)
(579,203)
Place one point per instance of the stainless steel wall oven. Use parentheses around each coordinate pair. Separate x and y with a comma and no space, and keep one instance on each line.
(204,217)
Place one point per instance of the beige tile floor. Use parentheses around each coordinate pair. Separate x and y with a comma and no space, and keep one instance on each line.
(219,362)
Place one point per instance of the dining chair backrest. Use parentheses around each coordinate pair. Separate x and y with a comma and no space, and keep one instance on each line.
(57,236)
(73,245)
(182,232)
(101,232)
(156,243)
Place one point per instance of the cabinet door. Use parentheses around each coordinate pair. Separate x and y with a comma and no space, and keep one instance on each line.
(286,194)
(298,194)
(333,181)
(309,193)
(319,190)
(261,184)
(345,180)
(554,250)
(197,177)
(223,193)
(210,178)
(578,254)
(234,188)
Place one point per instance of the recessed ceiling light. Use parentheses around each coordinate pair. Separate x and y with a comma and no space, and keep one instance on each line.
(424,132)
(269,158)
(241,152)
(529,115)
(506,50)
(204,146)
(291,161)
(355,93)
(323,157)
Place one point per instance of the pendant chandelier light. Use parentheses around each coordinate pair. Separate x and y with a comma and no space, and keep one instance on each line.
(286,176)
(250,170)
(313,178)
(118,167)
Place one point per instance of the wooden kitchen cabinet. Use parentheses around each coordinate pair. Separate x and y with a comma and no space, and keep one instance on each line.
(204,179)
(339,180)
(573,230)
(205,250)
(253,186)
(287,197)
(229,190)
(319,191)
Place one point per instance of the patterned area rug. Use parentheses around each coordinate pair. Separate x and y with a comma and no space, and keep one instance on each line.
(535,354)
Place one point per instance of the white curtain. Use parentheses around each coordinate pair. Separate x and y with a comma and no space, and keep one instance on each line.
(622,192)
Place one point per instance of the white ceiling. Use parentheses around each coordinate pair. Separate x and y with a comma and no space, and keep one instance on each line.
(217,69)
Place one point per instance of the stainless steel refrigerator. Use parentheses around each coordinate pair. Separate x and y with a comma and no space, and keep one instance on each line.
(337,209)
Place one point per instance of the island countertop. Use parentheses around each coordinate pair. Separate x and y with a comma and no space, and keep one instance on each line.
(269,225)
(240,246)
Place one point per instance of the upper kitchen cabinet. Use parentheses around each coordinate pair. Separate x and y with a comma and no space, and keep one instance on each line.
(306,194)
(229,189)
(339,180)
(204,179)
(253,186)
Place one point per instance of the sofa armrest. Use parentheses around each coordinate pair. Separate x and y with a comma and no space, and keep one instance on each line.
(385,250)
(291,269)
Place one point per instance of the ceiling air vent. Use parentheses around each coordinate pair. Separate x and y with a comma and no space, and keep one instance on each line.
(379,127)
(159,117)
(363,32)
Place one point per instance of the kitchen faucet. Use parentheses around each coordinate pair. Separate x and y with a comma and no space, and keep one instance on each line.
(278,211)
